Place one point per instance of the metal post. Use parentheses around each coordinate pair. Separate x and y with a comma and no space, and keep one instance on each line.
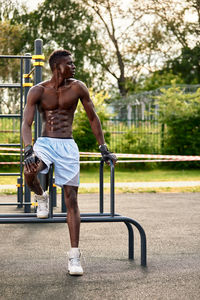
(54,194)
(27,81)
(101,208)
(38,45)
(130,241)
(112,189)
(19,188)
(20,199)
(38,78)
(51,192)
(63,207)
(129,114)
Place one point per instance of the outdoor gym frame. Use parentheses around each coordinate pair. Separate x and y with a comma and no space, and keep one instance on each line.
(27,216)
(25,75)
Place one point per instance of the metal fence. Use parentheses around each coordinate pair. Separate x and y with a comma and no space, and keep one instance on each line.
(135,136)
(135,127)
(142,134)
(10,129)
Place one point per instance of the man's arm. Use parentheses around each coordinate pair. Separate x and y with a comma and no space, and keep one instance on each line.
(95,125)
(29,112)
(30,160)
(92,116)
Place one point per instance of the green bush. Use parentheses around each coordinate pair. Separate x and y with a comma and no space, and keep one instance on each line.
(135,141)
(181,115)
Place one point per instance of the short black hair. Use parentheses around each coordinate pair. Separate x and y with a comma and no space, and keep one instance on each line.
(56,56)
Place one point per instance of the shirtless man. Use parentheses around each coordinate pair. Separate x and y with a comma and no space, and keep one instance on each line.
(57,100)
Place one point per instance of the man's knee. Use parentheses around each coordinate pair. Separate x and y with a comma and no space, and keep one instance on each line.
(71,197)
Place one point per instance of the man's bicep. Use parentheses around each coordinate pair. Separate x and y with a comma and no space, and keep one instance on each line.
(87,102)
(89,107)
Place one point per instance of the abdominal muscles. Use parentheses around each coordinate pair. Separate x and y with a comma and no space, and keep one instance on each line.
(57,123)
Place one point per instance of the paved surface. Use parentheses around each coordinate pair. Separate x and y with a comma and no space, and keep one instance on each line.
(130,184)
(33,257)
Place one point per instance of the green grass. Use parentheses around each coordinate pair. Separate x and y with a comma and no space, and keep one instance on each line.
(140,175)
(92,175)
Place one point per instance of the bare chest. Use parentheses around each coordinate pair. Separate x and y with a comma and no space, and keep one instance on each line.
(64,98)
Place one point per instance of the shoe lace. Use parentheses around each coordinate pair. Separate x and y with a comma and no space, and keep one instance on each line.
(75,261)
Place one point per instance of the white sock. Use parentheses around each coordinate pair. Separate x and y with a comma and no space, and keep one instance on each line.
(74,251)
(41,197)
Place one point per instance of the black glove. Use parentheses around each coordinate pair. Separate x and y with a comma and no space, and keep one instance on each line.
(29,156)
(106,154)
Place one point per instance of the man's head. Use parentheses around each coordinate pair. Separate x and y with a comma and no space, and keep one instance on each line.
(56,58)
(61,63)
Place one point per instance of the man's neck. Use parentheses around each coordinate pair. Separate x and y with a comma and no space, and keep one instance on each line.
(57,82)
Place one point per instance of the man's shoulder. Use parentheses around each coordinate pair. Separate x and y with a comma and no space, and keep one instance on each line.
(35,92)
(80,86)
(38,88)
(78,83)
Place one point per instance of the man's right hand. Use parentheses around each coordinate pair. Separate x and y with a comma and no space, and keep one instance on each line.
(30,159)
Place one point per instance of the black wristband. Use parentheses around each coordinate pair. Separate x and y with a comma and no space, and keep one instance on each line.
(103,148)
(28,150)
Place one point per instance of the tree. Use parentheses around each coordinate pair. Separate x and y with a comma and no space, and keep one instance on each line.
(179,22)
(140,37)
(159,79)
(187,65)
(11,42)
(121,41)
(66,24)
(115,56)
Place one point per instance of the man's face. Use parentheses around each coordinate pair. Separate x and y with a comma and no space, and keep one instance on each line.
(67,67)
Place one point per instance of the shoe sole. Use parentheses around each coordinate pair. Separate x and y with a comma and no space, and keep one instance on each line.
(75,274)
(43,217)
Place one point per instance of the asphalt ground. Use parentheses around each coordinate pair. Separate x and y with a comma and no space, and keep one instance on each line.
(33,257)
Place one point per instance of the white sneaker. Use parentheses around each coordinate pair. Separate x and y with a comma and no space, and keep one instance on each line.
(43,205)
(74,262)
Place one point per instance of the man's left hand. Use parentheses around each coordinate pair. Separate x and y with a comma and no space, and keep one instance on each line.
(107,155)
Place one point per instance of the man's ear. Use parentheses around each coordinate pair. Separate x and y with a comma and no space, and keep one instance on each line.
(57,66)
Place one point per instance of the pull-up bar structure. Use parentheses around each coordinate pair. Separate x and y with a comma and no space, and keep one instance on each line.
(24,86)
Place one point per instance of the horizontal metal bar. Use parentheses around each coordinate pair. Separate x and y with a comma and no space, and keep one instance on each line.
(10,85)
(91,219)
(14,203)
(10,116)
(16,56)
(31,215)
(9,174)
(10,145)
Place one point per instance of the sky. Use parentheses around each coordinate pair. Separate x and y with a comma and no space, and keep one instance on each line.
(32,4)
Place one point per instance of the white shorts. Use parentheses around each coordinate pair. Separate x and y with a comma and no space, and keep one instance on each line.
(64,154)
